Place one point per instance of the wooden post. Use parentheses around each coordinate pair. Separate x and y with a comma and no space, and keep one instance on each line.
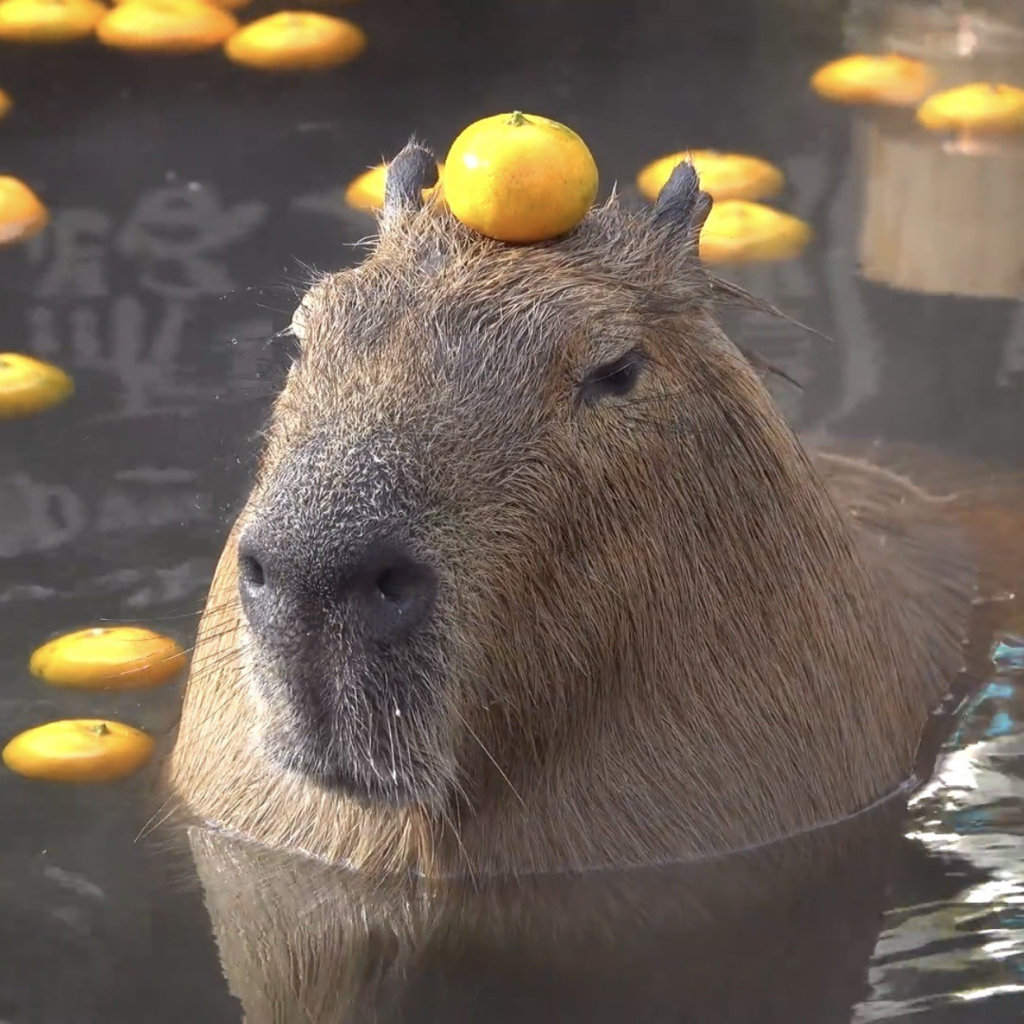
(944,214)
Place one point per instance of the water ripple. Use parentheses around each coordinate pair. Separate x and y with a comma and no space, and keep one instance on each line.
(968,948)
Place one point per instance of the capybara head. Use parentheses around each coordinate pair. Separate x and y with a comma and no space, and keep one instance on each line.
(475,457)
(534,568)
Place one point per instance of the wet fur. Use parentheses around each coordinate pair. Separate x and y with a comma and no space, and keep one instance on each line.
(664,629)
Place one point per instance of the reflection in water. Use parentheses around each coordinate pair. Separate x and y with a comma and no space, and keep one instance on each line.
(121,299)
(779,935)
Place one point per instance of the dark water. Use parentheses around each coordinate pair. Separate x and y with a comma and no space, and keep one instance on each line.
(188,197)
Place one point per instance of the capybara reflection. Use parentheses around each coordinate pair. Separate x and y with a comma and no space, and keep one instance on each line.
(778,935)
(534,574)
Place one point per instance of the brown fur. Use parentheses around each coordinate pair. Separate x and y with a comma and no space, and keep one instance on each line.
(667,630)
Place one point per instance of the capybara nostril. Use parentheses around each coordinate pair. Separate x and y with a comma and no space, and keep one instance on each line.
(250,572)
(254,590)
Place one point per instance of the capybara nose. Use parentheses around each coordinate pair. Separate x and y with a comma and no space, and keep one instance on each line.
(376,590)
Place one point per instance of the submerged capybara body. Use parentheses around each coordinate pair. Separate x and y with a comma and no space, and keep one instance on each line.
(779,935)
(535,575)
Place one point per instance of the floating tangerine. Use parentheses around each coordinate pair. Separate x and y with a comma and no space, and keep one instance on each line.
(108,657)
(296,41)
(888,79)
(79,750)
(366,192)
(22,215)
(28,386)
(166,26)
(227,5)
(5,104)
(740,231)
(722,175)
(979,107)
(520,178)
(48,21)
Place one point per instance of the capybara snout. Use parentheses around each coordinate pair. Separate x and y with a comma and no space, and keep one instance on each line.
(339,589)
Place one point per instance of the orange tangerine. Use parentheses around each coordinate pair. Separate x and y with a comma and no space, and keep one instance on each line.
(519,178)
(22,215)
(79,750)
(228,5)
(5,104)
(108,657)
(366,192)
(296,41)
(48,21)
(28,385)
(740,231)
(166,26)
(722,175)
(982,107)
(888,79)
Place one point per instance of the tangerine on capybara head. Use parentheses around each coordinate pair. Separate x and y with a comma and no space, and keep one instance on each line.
(520,178)
(535,575)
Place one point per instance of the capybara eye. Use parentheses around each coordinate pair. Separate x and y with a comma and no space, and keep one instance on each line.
(613,380)
(401,584)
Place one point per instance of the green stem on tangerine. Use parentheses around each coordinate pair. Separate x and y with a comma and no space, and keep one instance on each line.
(517,118)
(101,729)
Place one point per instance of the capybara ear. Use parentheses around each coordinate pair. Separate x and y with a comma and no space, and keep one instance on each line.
(681,207)
(412,171)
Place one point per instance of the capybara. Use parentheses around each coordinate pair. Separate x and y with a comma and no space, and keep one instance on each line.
(535,576)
